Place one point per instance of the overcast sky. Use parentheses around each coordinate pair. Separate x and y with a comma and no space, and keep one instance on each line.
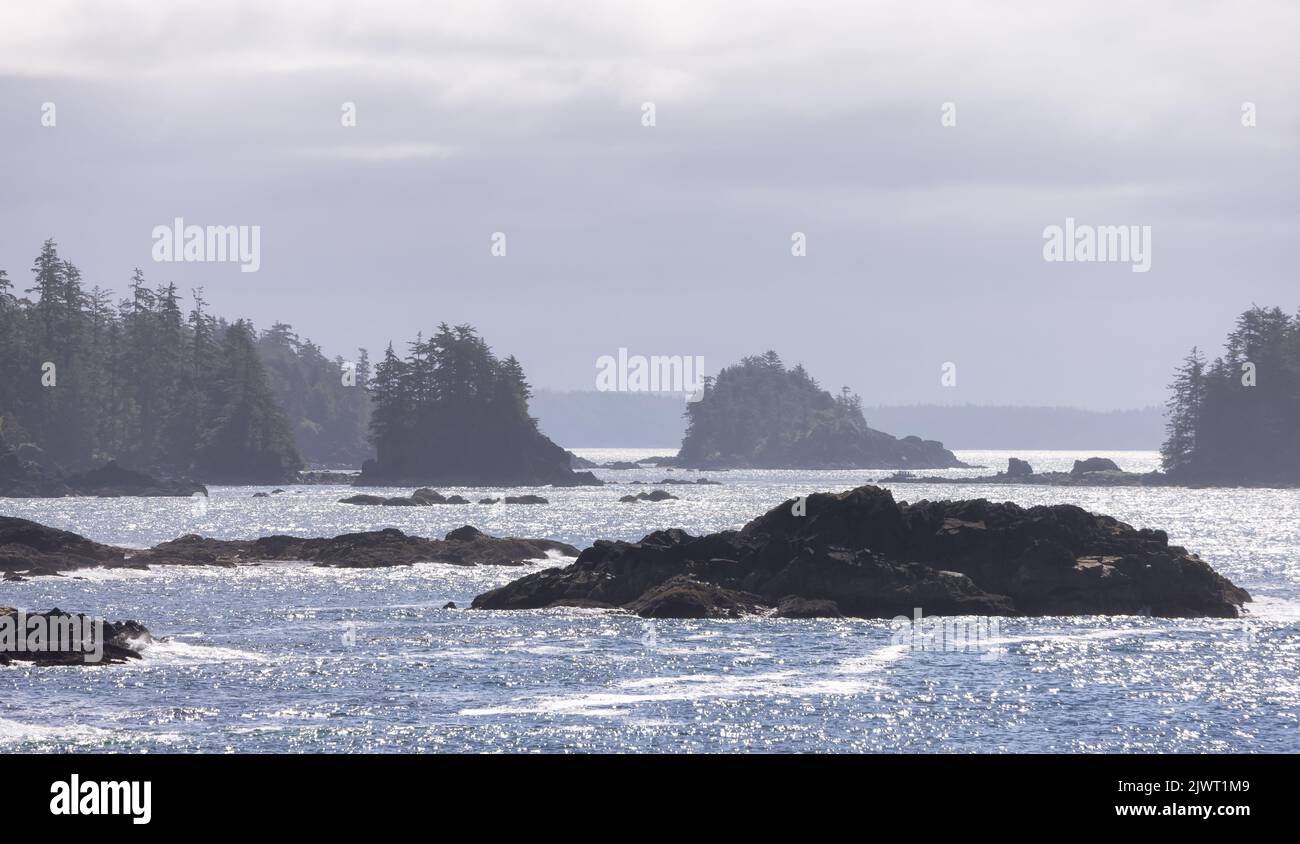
(925,242)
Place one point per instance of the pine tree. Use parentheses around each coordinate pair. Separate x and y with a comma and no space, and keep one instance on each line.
(1184,414)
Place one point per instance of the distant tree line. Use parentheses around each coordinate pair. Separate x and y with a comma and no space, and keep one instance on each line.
(1237,419)
(88,379)
(326,400)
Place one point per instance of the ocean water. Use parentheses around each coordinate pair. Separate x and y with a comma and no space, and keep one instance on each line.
(290,657)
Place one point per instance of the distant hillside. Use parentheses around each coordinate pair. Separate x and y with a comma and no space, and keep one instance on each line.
(589,419)
(998,426)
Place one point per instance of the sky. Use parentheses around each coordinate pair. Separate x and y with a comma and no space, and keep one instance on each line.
(924,241)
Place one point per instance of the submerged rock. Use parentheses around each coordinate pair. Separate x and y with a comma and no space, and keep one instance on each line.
(1095,471)
(425,497)
(877,558)
(526,499)
(657,495)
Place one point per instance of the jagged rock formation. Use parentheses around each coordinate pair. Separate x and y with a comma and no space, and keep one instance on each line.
(860,553)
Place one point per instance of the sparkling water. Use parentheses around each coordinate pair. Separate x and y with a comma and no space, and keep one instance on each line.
(291,657)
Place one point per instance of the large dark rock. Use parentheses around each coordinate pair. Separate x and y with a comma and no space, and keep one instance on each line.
(112,481)
(1094,464)
(876,558)
(33,548)
(28,548)
(1017,468)
(120,641)
(21,478)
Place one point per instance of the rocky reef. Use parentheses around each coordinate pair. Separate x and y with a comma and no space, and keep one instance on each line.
(1093,471)
(30,549)
(861,553)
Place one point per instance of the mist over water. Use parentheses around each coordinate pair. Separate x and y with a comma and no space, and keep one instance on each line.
(290,657)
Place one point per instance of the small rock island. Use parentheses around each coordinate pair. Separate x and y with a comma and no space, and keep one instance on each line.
(861,553)
(759,414)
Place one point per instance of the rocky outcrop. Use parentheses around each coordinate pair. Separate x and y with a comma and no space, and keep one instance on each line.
(423,497)
(657,495)
(31,549)
(874,557)
(35,549)
(1094,464)
(1017,468)
(1095,471)
(121,639)
(21,478)
(465,546)
(113,481)
(578,463)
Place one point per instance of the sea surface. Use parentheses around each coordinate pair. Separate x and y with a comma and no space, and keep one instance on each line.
(289,657)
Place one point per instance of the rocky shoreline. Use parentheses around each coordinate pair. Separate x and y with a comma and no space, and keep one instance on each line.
(856,553)
(860,553)
(20,478)
(1094,471)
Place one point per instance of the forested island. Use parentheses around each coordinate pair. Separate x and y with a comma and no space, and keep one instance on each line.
(1236,421)
(451,412)
(759,414)
(94,393)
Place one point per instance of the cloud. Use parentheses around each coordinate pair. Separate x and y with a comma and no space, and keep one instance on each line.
(772,117)
(382,152)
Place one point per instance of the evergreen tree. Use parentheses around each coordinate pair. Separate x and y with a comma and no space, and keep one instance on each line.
(139,383)
(248,439)
(1184,413)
